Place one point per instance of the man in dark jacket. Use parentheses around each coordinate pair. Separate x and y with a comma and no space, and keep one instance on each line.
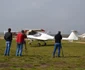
(8,38)
(58,38)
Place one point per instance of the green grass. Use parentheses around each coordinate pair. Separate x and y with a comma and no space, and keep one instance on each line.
(40,58)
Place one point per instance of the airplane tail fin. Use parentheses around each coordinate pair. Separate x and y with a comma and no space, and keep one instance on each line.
(73,35)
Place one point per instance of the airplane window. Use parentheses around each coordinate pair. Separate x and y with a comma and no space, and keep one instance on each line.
(32,33)
(37,35)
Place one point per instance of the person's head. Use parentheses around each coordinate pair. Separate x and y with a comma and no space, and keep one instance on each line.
(22,31)
(59,32)
(9,29)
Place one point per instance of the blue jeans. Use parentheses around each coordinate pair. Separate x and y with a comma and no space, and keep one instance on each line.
(19,49)
(7,50)
(57,46)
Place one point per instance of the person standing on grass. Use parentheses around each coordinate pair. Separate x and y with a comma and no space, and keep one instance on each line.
(8,38)
(20,41)
(25,41)
(57,45)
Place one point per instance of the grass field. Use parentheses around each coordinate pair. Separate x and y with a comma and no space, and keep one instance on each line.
(40,58)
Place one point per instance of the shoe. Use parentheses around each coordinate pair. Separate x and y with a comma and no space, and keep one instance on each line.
(58,56)
(53,56)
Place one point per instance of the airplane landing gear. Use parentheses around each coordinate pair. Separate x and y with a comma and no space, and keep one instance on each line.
(39,44)
(44,43)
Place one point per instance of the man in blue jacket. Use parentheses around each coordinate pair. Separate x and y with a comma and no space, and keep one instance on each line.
(8,38)
(57,45)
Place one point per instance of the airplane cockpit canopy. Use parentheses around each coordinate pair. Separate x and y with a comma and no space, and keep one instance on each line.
(32,33)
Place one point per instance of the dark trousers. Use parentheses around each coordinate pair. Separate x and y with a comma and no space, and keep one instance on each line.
(57,46)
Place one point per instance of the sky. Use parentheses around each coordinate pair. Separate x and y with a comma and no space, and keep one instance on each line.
(51,15)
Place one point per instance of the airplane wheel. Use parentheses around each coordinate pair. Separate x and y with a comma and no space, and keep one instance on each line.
(44,44)
(29,43)
(39,44)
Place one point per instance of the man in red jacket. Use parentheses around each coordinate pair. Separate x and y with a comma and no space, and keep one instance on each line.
(20,41)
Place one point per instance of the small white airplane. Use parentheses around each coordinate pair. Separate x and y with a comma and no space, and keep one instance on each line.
(42,36)
(82,36)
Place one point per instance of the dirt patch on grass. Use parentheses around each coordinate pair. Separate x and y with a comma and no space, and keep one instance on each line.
(81,42)
(4,65)
(44,65)
(8,65)
(27,66)
(63,64)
